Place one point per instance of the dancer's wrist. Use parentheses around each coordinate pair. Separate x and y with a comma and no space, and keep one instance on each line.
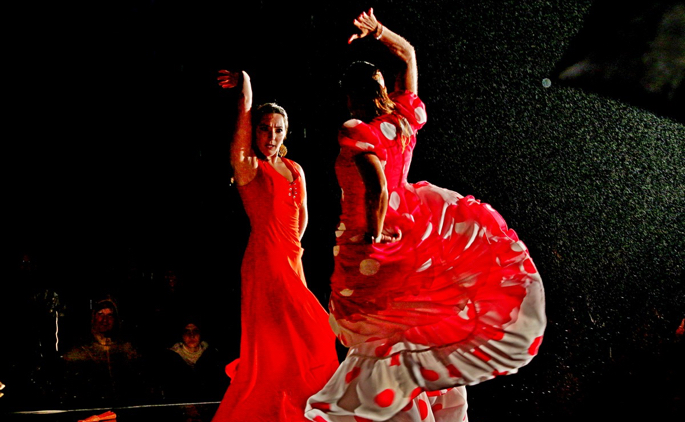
(378,32)
(371,238)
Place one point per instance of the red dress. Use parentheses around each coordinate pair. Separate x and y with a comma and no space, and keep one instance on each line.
(455,302)
(287,349)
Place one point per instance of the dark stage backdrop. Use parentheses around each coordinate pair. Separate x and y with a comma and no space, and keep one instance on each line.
(566,116)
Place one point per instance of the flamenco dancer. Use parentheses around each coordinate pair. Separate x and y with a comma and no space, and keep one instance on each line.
(431,291)
(287,349)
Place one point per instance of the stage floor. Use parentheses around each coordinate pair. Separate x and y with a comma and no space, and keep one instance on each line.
(184,412)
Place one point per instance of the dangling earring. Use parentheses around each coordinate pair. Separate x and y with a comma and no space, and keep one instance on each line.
(282,150)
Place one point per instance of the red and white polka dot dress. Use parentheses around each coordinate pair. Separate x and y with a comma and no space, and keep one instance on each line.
(455,302)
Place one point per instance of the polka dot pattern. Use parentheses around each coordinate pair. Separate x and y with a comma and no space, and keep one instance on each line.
(369,267)
(455,302)
(429,375)
(322,406)
(481,355)
(354,373)
(352,123)
(365,146)
(423,409)
(453,371)
(394,201)
(420,114)
(383,350)
(389,130)
(535,346)
(426,265)
(385,398)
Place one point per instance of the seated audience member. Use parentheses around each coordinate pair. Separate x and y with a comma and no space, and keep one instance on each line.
(104,368)
(192,370)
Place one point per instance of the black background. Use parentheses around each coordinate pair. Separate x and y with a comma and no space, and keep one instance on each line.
(115,151)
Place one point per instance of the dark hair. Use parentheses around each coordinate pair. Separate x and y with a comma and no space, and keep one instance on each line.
(257,114)
(360,83)
(189,318)
(106,304)
(368,98)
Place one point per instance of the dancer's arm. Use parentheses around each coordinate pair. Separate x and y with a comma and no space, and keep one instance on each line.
(376,193)
(376,198)
(407,79)
(243,158)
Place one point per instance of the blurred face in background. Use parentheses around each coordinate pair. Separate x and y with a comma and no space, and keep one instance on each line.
(191,336)
(104,321)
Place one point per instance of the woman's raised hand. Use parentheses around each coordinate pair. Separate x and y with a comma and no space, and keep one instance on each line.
(228,78)
(367,24)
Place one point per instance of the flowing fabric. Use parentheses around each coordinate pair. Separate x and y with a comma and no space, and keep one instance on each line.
(455,302)
(287,349)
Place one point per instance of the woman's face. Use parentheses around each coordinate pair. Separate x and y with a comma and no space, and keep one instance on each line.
(270,134)
(191,335)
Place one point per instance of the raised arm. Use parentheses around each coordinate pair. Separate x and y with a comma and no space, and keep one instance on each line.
(407,79)
(243,159)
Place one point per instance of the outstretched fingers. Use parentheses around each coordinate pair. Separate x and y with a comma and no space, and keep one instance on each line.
(366,23)
(228,79)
